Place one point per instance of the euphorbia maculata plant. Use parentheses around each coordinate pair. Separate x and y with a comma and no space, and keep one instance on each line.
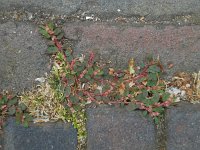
(84,80)
(9,106)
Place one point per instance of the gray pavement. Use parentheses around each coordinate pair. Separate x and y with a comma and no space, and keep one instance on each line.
(183,132)
(111,128)
(22,56)
(44,136)
(108,8)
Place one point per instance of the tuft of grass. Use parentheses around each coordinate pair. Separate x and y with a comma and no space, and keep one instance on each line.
(44,103)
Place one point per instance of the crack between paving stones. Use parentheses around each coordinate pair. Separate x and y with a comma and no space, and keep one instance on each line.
(161,134)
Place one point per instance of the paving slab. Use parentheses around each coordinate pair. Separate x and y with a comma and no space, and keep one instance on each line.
(183,132)
(45,136)
(118,129)
(118,43)
(22,56)
(108,8)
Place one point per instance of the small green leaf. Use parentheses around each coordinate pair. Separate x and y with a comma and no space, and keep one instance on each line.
(18,118)
(158,109)
(70,79)
(151,83)
(165,97)
(152,76)
(96,92)
(3,100)
(142,79)
(87,77)
(131,107)
(74,99)
(145,113)
(22,106)
(77,107)
(67,91)
(126,92)
(80,94)
(12,102)
(147,102)
(28,117)
(142,65)
(52,49)
(41,26)
(122,104)
(60,36)
(155,98)
(67,53)
(25,123)
(51,26)
(156,120)
(154,69)
(69,58)
(80,69)
(90,71)
(145,92)
(57,31)
(140,97)
(11,111)
(44,33)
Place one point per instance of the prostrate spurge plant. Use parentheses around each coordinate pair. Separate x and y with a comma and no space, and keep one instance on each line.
(82,81)
(9,106)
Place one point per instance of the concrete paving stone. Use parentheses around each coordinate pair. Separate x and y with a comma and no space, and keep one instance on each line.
(1,141)
(118,129)
(183,131)
(22,56)
(45,136)
(108,8)
(177,45)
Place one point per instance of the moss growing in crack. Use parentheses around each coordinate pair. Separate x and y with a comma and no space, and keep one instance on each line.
(78,120)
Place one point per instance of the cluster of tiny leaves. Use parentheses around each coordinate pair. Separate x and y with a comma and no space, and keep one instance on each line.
(9,106)
(83,80)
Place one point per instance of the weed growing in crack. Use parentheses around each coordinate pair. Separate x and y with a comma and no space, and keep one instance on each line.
(82,81)
(9,106)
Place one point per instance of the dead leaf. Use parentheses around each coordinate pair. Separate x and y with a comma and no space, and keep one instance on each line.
(111,71)
(122,88)
(142,19)
(170,65)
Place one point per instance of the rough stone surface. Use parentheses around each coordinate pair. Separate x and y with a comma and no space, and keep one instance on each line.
(22,56)
(183,132)
(108,8)
(56,6)
(118,129)
(1,141)
(177,45)
(46,136)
